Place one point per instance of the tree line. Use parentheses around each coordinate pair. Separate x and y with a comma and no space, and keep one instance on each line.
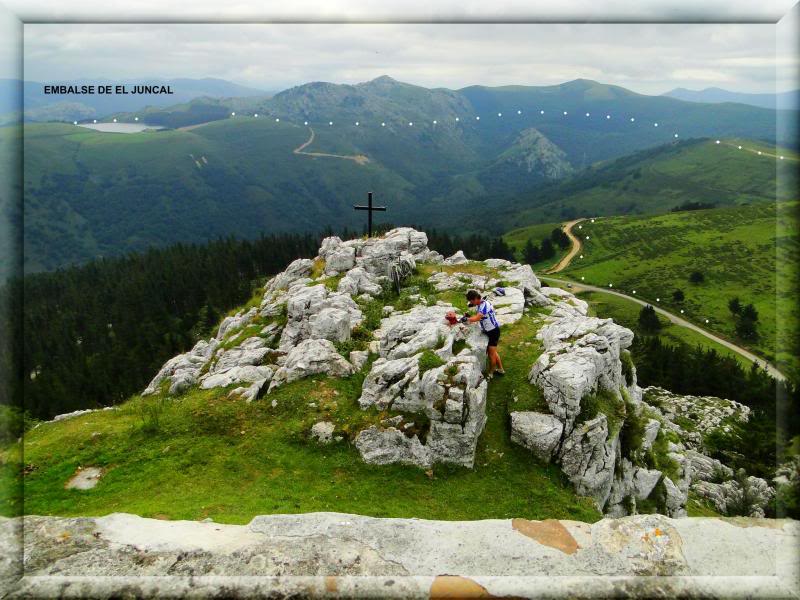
(546,249)
(93,335)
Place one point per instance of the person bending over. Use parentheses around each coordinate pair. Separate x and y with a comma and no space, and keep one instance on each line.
(489,325)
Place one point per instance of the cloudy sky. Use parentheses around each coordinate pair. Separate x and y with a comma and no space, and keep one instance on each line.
(648,58)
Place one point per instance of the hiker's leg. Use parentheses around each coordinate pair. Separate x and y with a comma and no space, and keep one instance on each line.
(492,352)
(499,362)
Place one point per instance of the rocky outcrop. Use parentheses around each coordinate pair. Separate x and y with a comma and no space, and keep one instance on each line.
(616,443)
(374,255)
(588,382)
(450,397)
(343,555)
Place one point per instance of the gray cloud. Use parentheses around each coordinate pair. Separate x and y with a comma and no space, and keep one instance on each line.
(648,58)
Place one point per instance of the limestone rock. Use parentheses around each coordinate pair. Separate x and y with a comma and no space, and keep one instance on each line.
(587,457)
(238,374)
(456,259)
(239,320)
(410,332)
(706,468)
(251,351)
(391,446)
(747,496)
(707,413)
(453,396)
(644,481)
(376,254)
(509,307)
(249,393)
(322,432)
(675,499)
(523,276)
(297,269)
(538,432)
(316,312)
(494,263)
(311,357)
(358,281)
(358,358)
(651,429)
(387,381)
(183,370)
(285,555)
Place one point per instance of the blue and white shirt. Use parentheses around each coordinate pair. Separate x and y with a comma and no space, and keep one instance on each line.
(489,319)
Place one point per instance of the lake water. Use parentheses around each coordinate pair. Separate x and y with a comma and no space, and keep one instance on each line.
(119,127)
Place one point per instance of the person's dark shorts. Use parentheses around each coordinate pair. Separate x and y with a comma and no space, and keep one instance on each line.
(493,335)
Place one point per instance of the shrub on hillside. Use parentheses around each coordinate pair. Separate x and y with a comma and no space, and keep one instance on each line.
(697,277)
(648,319)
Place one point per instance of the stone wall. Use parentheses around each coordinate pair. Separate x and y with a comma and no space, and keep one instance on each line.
(335,555)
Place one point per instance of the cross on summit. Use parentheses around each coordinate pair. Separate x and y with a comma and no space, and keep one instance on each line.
(370,209)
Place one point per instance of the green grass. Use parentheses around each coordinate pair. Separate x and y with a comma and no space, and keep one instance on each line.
(205,455)
(741,251)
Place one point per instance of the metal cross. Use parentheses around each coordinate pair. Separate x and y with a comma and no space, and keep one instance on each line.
(370,209)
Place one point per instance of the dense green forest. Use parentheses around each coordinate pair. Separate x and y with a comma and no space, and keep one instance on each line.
(93,335)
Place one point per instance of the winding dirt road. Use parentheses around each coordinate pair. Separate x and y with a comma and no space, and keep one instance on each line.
(673,318)
(576,247)
(358,158)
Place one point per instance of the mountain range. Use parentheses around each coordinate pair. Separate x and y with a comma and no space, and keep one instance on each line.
(713,95)
(475,159)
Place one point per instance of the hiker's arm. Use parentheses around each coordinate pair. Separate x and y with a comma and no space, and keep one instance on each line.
(472,319)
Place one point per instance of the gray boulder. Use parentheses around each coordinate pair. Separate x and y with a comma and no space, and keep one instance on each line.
(239,374)
(523,276)
(311,357)
(297,269)
(251,351)
(316,312)
(538,432)
(410,332)
(587,457)
(644,481)
(456,259)
(322,432)
(231,324)
(706,468)
(387,381)
(182,371)
(391,446)
(358,281)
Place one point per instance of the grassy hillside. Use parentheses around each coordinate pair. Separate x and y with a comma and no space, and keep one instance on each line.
(204,454)
(656,180)
(517,239)
(89,194)
(740,251)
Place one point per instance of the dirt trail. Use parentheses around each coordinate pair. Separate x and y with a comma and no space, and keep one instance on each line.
(195,126)
(576,247)
(358,158)
(791,158)
(579,287)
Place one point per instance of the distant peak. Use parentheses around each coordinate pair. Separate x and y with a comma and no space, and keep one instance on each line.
(383,79)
